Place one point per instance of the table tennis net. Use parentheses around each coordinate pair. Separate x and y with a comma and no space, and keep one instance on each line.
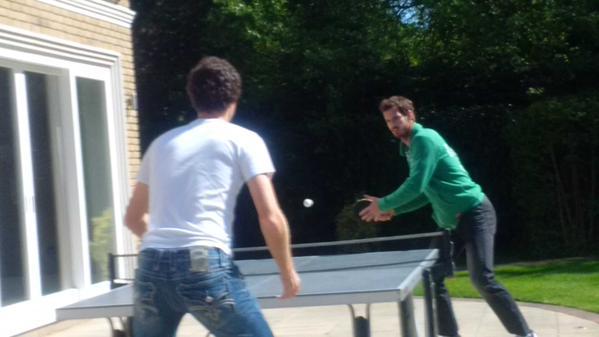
(378,252)
(346,262)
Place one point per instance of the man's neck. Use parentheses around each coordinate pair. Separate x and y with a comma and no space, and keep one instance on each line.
(226,115)
(407,138)
(212,116)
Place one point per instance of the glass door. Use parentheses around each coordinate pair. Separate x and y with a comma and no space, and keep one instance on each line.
(31,149)
(30,245)
(42,111)
(12,267)
(95,149)
(58,144)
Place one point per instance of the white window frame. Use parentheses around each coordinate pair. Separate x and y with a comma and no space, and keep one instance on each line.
(25,51)
(97,9)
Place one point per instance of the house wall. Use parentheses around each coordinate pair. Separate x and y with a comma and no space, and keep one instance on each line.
(42,18)
(74,30)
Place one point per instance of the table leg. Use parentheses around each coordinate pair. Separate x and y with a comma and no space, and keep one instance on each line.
(430,319)
(360,324)
(128,326)
(407,320)
(116,332)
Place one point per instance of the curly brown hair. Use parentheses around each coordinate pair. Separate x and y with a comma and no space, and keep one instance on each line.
(401,103)
(212,85)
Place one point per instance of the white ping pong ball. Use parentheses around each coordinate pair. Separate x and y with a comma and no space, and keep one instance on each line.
(308,203)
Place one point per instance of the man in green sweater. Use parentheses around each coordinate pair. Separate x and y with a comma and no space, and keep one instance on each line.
(459,205)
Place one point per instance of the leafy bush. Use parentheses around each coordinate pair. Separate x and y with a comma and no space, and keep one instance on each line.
(349,227)
(101,243)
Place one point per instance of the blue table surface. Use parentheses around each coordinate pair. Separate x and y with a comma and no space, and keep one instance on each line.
(326,280)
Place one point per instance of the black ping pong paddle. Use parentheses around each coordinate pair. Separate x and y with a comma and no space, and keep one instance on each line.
(360,204)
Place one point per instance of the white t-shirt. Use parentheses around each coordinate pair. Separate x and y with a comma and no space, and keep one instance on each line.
(194,174)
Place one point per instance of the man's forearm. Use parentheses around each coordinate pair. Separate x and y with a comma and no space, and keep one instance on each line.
(138,227)
(406,193)
(412,205)
(276,234)
(275,230)
(136,217)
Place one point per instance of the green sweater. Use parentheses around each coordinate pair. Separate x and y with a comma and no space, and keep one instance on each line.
(436,176)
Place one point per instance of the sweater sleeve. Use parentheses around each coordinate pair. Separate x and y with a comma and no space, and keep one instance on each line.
(422,166)
(413,205)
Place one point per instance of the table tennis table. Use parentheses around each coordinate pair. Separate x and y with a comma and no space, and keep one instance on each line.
(345,279)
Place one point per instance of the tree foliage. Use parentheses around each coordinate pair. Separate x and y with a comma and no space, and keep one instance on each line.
(497,51)
(555,158)
(314,72)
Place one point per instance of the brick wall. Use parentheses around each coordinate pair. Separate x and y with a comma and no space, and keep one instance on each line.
(42,18)
(124,3)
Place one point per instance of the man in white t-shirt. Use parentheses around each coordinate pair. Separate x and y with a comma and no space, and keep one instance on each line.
(183,207)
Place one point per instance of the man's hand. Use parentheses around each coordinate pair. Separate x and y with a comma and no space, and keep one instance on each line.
(291,285)
(373,212)
(385,216)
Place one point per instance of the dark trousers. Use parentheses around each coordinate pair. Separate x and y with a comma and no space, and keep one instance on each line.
(476,231)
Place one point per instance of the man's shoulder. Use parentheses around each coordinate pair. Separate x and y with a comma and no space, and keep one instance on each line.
(218,127)
(201,133)
(168,134)
(427,135)
(240,129)
(176,130)
(240,133)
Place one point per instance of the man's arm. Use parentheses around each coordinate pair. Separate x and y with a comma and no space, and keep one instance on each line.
(422,168)
(410,195)
(136,217)
(275,230)
(412,205)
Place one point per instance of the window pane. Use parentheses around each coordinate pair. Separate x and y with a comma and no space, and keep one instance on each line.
(44,182)
(96,162)
(12,271)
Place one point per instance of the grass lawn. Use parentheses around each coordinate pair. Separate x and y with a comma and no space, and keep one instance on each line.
(570,283)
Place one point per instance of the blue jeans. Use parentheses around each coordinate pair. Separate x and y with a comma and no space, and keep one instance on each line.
(476,231)
(201,281)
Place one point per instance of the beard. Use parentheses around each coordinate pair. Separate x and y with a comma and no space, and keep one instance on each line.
(399,133)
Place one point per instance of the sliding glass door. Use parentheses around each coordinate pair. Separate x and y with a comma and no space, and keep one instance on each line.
(91,98)
(57,188)
(28,222)
(40,90)
(12,271)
